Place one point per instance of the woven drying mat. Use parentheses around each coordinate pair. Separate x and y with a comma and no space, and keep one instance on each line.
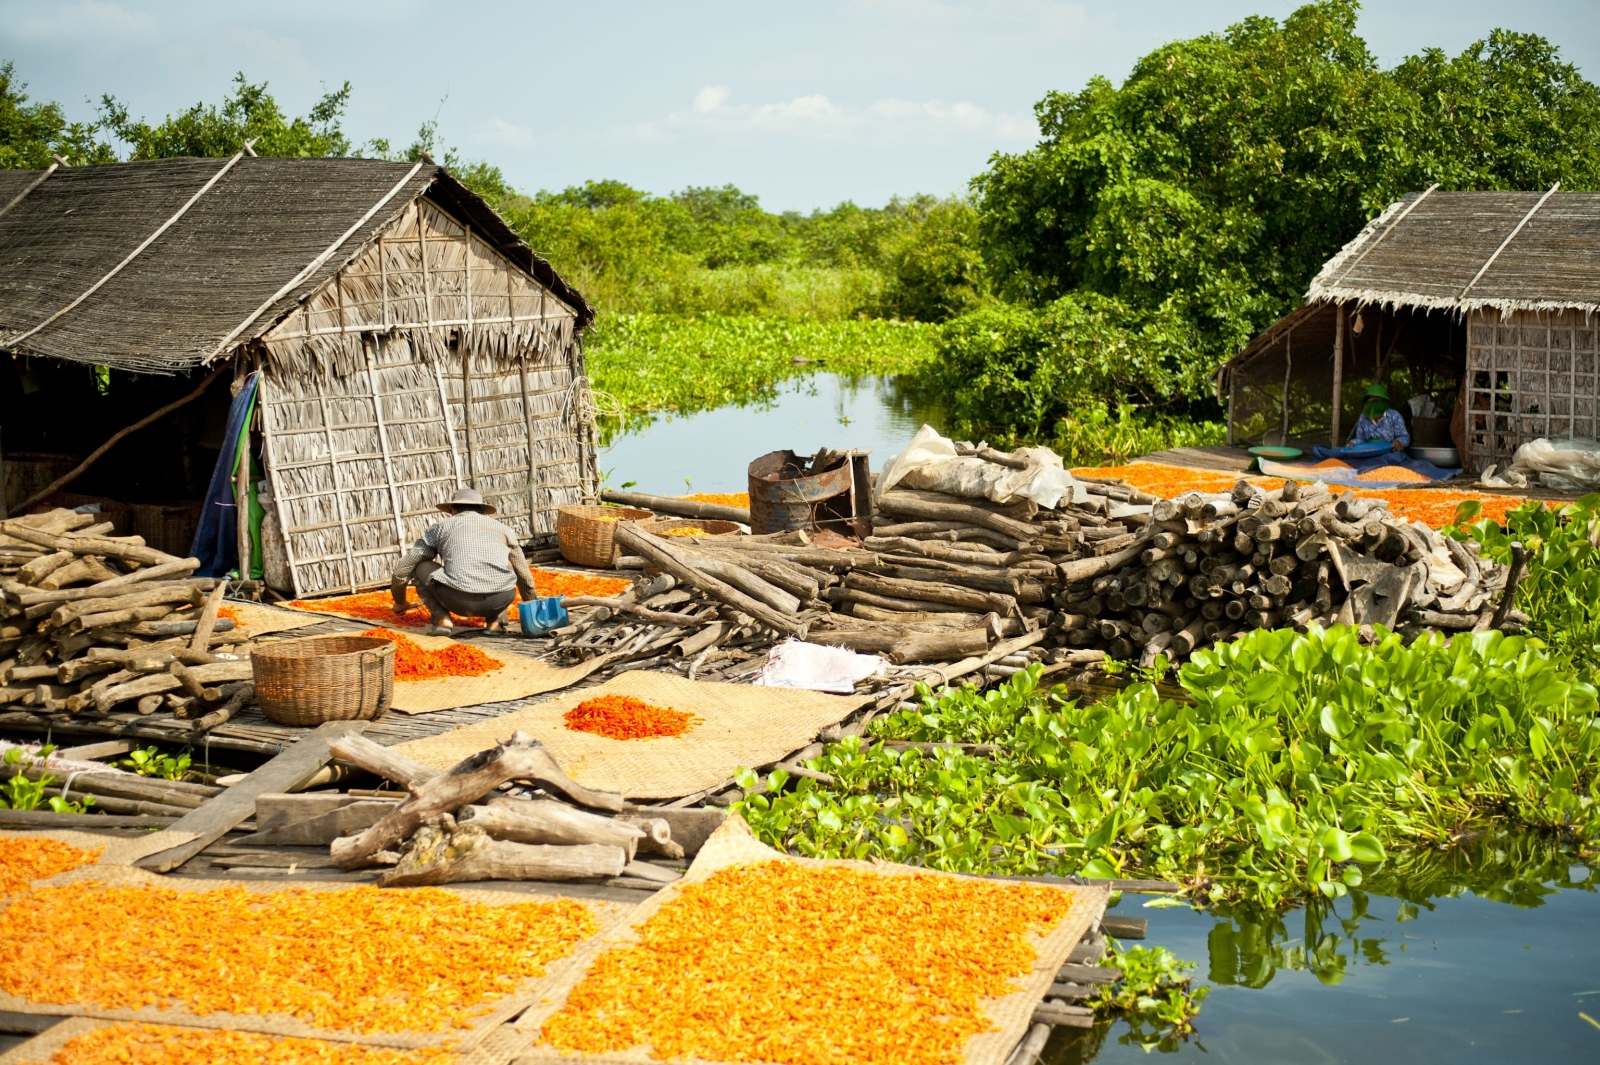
(734,844)
(518,677)
(608,915)
(257,619)
(501,1045)
(741,725)
(123,850)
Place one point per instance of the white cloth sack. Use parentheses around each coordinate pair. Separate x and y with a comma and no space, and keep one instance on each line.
(1568,465)
(792,664)
(930,463)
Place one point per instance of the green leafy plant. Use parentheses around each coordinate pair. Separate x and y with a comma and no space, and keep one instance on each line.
(1294,767)
(1561,591)
(150,762)
(1153,995)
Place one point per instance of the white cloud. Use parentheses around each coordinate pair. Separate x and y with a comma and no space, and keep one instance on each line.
(71,23)
(816,117)
(500,133)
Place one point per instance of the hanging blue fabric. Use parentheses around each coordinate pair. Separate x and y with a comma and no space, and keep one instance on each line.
(216,541)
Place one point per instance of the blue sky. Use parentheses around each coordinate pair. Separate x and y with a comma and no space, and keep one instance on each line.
(803,104)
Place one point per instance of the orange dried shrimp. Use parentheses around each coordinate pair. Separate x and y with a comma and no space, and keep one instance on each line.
(161,1044)
(779,962)
(723,499)
(231,613)
(379,606)
(361,960)
(1432,506)
(24,860)
(1393,473)
(622,717)
(685,530)
(415,662)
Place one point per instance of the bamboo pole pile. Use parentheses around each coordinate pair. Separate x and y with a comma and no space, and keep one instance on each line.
(944,579)
(92,624)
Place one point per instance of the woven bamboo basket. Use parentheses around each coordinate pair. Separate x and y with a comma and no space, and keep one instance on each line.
(586,538)
(324,678)
(708,526)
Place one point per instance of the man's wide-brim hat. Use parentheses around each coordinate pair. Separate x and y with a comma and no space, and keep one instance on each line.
(465,497)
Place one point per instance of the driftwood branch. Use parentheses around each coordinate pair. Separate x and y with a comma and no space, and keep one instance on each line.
(443,852)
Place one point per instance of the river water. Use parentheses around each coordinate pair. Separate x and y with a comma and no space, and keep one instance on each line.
(1467,979)
(710,451)
(1491,955)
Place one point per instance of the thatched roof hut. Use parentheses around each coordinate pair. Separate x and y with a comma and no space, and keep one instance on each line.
(1487,300)
(407,340)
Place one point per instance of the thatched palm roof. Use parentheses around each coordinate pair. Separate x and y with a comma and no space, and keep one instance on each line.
(206,283)
(1464,251)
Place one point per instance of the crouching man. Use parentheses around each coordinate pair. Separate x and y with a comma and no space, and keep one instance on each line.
(469,565)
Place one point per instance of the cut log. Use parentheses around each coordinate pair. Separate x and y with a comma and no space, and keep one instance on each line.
(519,758)
(654,549)
(744,580)
(903,504)
(548,821)
(660,617)
(443,852)
(904,647)
(114,587)
(683,508)
(929,592)
(321,830)
(106,547)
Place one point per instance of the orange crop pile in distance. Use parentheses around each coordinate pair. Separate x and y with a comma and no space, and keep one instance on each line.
(414,662)
(723,499)
(161,1044)
(359,960)
(684,530)
(1433,506)
(780,962)
(547,583)
(22,861)
(1393,473)
(622,717)
(231,613)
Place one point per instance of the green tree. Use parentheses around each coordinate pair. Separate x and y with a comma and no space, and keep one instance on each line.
(249,113)
(933,265)
(32,134)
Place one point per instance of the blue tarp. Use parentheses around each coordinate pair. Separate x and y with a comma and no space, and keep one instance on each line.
(216,541)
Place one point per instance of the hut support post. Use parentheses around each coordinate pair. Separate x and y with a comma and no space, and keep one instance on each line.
(1338,375)
(383,444)
(269,459)
(534,469)
(466,410)
(338,493)
(241,497)
(1288,370)
(1233,395)
(449,422)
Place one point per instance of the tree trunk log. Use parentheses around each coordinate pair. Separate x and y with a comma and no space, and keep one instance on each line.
(90,545)
(445,853)
(683,508)
(909,647)
(904,505)
(548,821)
(659,616)
(650,547)
(930,592)
(744,580)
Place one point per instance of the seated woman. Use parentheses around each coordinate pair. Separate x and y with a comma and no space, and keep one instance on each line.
(1379,421)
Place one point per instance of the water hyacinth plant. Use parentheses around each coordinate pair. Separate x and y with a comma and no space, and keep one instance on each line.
(1293,765)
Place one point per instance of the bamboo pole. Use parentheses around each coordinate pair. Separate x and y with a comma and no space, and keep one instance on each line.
(1338,374)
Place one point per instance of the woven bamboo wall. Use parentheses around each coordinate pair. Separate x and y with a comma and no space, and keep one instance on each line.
(1530,375)
(428,363)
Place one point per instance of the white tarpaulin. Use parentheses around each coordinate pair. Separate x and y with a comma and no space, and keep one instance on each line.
(1566,465)
(792,664)
(930,463)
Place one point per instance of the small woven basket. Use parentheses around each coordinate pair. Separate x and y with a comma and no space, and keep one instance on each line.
(709,526)
(586,538)
(324,678)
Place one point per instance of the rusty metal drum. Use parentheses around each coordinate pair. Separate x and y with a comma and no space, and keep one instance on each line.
(783,495)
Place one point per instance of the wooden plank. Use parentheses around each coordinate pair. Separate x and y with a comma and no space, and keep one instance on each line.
(287,771)
(90,752)
(1124,927)
(51,819)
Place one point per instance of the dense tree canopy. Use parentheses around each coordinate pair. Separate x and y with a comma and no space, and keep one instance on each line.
(32,134)
(248,114)
(1211,185)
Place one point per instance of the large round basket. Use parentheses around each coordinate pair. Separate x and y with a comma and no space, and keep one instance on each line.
(689,528)
(324,678)
(585,532)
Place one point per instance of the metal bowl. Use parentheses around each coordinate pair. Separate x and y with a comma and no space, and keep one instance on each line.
(1446,458)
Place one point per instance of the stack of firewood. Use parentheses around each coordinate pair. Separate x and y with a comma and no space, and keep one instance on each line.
(90,623)
(1212,565)
(943,579)
(507,813)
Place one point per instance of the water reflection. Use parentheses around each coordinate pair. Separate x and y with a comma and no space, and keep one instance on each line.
(709,451)
(1482,952)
